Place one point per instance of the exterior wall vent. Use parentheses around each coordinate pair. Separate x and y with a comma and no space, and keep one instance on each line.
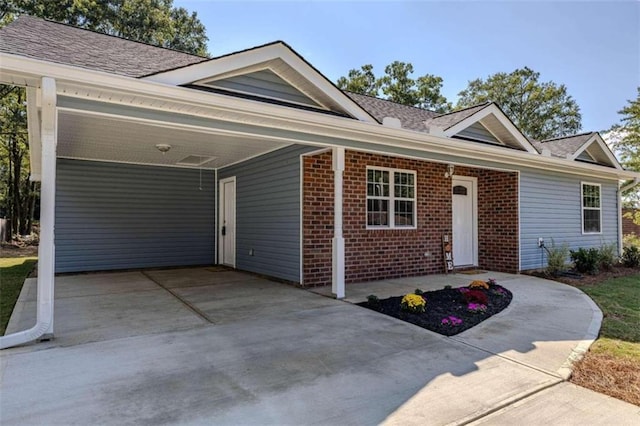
(195,160)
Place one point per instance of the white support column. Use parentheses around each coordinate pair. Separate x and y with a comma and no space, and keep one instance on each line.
(46,248)
(43,329)
(337,281)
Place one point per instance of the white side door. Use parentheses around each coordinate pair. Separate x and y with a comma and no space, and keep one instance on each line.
(465,234)
(227,222)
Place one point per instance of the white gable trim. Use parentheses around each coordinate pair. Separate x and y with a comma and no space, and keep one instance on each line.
(120,90)
(597,139)
(238,63)
(492,109)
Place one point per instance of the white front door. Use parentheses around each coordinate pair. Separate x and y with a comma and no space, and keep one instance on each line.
(227,222)
(465,246)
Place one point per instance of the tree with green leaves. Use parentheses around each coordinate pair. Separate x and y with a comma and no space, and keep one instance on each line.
(156,22)
(361,81)
(541,110)
(397,85)
(626,144)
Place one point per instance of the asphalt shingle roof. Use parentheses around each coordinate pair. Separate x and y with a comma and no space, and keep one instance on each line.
(561,147)
(64,44)
(411,117)
(445,121)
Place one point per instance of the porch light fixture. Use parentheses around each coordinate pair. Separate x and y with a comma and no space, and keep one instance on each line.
(163,147)
(450,170)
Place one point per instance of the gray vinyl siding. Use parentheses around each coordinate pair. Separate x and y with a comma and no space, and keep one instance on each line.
(263,83)
(268,212)
(550,207)
(118,216)
(479,132)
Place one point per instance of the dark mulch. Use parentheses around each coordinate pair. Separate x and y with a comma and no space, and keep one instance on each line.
(443,304)
(576,279)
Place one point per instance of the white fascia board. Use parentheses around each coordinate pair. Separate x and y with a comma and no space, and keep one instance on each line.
(597,139)
(109,88)
(33,130)
(228,65)
(503,119)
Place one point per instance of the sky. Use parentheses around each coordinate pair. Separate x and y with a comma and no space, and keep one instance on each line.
(592,47)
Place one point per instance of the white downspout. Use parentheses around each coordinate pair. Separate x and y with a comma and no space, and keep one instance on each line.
(622,189)
(635,182)
(337,264)
(46,248)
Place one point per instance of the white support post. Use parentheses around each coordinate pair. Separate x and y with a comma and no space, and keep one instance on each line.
(43,329)
(337,281)
(46,248)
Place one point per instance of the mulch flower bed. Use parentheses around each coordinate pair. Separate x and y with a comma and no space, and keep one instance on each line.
(448,311)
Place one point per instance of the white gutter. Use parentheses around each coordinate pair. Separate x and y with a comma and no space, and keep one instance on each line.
(121,90)
(46,248)
(635,182)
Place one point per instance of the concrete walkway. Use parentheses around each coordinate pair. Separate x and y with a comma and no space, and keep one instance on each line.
(209,346)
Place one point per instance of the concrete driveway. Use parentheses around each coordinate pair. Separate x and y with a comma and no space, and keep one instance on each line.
(211,346)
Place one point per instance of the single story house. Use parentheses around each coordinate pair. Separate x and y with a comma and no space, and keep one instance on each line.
(150,157)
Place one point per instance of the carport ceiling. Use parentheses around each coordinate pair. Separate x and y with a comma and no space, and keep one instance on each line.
(102,138)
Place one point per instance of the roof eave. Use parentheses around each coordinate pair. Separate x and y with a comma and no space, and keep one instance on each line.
(79,82)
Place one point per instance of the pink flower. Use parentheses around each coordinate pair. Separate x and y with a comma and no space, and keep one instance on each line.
(476,307)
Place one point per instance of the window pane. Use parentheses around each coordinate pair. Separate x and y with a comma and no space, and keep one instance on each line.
(591,220)
(378,212)
(590,196)
(403,213)
(403,187)
(377,183)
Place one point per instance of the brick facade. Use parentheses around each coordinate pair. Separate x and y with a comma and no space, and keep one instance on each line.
(390,253)
(628,226)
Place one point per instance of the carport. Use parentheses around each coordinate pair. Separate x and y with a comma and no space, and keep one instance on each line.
(101,120)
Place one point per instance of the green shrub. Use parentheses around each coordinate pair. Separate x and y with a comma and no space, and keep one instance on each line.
(630,240)
(586,261)
(608,256)
(557,258)
(373,300)
(631,257)
(418,292)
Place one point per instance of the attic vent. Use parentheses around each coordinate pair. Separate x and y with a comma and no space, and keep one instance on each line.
(195,160)
(392,122)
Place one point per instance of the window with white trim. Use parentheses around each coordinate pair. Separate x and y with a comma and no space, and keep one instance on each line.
(391,198)
(591,208)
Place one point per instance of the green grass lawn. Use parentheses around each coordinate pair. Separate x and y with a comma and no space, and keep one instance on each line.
(13,272)
(619,300)
(612,365)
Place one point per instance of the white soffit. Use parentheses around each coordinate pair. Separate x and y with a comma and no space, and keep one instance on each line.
(597,149)
(279,59)
(99,138)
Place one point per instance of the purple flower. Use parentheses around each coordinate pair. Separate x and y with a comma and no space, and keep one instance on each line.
(475,307)
(463,289)
(451,321)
